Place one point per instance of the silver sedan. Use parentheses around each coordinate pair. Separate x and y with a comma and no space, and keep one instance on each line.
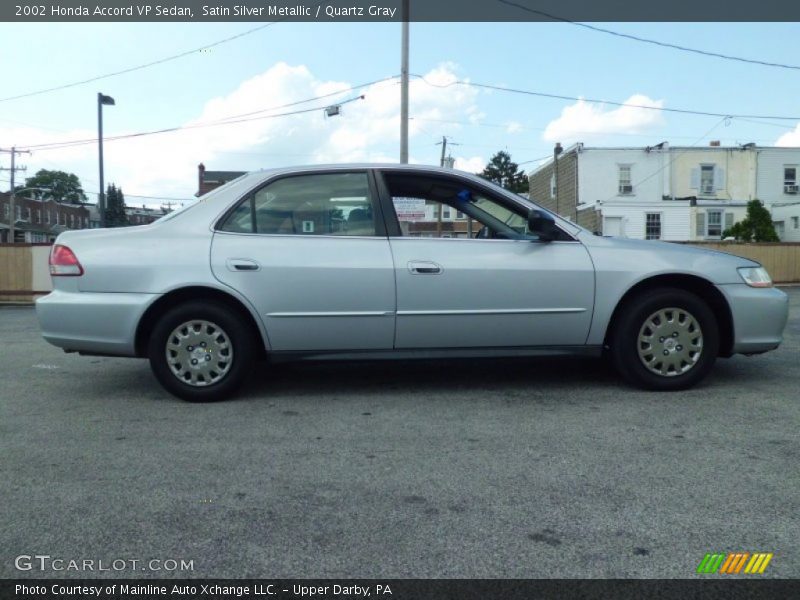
(370,261)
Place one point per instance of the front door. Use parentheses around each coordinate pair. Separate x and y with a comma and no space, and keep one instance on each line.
(470,276)
(311,254)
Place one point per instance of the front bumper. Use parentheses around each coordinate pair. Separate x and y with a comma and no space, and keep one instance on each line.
(92,323)
(759,317)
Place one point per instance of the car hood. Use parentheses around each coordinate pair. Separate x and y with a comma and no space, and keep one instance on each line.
(644,258)
(672,248)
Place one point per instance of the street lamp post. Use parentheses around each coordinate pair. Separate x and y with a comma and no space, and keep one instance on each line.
(101,198)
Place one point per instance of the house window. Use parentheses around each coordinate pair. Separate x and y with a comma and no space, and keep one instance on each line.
(652,226)
(47,217)
(38,215)
(714,227)
(18,212)
(460,215)
(707,179)
(625,184)
(445,212)
(790,179)
(5,211)
(795,222)
(553,185)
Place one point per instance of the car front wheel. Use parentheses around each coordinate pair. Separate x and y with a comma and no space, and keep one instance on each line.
(201,351)
(666,339)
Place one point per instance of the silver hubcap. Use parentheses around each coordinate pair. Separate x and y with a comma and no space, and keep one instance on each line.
(199,353)
(670,342)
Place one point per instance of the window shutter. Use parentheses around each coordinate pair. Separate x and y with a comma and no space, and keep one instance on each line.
(728,220)
(701,225)
(695,184)
(719,178)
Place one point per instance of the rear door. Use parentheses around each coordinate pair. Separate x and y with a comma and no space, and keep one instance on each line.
(310,252)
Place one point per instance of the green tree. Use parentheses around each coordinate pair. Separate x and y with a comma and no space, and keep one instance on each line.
(505,172)
(756,227)
(115,207)
(63,186)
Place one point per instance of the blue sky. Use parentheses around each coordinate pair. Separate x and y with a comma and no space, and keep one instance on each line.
(287,62)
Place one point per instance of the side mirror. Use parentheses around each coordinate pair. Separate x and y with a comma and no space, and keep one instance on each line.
(542,224)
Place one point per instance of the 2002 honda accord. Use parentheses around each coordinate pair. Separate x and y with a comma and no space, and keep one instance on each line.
(385,260)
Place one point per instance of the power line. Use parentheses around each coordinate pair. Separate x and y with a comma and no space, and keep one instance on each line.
(139,67)
(149,64)
(579,131)
(127,195)
(611,102)
(635,38)
(226,121)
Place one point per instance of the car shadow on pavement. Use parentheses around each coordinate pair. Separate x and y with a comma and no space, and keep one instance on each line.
(431,376)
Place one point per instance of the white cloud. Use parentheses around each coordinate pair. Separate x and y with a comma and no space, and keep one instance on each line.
(790,138)
(474,164)
(166,164)
(513,127)
(587,119)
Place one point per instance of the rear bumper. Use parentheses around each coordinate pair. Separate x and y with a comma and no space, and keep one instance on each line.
(759,317)
(94,323)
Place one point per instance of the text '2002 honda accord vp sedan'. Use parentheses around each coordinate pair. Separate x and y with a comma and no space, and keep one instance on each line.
(370,261)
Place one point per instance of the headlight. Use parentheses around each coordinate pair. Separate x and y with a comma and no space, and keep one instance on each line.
(756,277)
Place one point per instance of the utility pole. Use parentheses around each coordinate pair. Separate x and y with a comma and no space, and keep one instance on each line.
(12,217)
(404,88)
(446,161)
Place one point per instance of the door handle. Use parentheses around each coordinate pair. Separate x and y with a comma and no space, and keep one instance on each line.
(242,264)
(423,267)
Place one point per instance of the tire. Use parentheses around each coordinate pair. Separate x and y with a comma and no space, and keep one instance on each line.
(666,339)
(201,351)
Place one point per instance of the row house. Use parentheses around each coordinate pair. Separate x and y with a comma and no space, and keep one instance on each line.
(666,192)
(37,221)
(143,215)
(210,180)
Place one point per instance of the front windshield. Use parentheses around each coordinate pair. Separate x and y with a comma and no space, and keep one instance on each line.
(529,203)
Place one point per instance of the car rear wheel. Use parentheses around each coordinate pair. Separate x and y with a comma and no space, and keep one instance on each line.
(201,351)
(666,339)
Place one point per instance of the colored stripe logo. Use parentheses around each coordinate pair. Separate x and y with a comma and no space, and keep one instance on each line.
(734,563)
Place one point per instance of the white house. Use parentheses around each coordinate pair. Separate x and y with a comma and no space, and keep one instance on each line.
(668,193)
(631,189)
(777,175)
(777,187)
(679,193)
(786,218)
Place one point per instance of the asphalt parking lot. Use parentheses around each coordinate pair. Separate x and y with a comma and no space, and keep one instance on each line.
(499,469)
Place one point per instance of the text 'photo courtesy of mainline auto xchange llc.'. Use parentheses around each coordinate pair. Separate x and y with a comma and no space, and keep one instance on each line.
(200,590)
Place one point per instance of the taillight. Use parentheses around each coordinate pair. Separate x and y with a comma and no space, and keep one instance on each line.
(64,262)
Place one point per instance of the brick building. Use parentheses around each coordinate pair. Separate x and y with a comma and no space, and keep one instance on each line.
(39,221)
(209,180)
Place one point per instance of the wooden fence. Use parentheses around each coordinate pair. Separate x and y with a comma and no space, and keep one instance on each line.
(780,259)
(24,272)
